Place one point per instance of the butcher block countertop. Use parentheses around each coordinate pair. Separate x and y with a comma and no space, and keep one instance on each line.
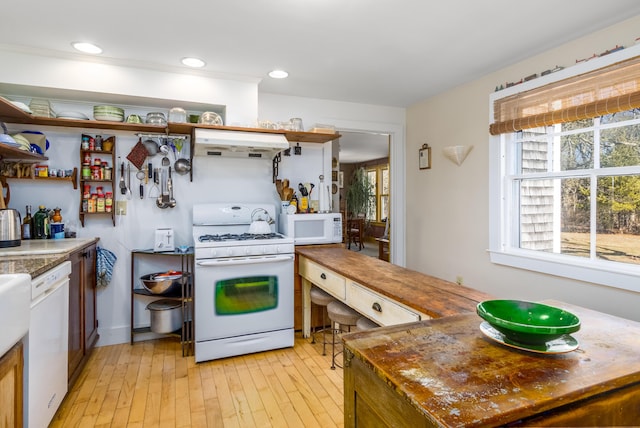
(426,294)
(449,374)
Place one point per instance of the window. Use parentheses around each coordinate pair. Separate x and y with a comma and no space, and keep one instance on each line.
(379,207)
(565,196)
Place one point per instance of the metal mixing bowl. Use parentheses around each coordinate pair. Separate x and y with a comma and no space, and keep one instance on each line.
(161,283)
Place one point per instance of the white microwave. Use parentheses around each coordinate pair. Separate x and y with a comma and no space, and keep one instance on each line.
(308,229)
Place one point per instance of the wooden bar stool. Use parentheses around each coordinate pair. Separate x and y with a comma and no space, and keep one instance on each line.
(365,323)
(320,298)
(343,316)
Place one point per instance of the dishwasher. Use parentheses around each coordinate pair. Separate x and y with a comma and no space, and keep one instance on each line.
(47,346)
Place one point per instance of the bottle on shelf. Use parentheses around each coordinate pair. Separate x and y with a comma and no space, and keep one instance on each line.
(27,224)
(41,223)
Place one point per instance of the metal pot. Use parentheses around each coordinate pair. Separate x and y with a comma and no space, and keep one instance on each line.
(166,315)
(164,282)
(10,228)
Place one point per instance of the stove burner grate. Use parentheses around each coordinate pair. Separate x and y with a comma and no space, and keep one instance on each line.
(238,237)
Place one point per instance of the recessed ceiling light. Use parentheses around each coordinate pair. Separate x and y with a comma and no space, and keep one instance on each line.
(193,62)
(89,48)
(278,74)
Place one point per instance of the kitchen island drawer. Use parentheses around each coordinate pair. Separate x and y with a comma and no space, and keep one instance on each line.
(323,278)
(377,307)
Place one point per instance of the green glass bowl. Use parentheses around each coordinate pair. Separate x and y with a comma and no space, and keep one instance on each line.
(528,322)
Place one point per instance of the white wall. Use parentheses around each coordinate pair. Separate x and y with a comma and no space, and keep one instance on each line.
(358,118)
(214,180)
(447,210)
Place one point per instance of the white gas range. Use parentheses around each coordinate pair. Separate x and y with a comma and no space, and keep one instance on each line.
(243,281)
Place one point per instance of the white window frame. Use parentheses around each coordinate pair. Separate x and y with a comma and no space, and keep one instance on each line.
(619,275)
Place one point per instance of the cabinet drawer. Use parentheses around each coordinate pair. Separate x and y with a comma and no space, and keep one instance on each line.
(324,278)
(378,308)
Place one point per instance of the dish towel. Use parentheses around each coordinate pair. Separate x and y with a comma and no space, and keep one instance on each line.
(105,260)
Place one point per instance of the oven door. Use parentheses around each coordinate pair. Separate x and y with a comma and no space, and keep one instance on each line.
(241,296)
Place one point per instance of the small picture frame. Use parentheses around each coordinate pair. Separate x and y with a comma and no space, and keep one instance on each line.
(424,157)
(334,175)
(340,179)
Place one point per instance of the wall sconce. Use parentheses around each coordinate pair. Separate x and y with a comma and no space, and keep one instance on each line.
(456,154)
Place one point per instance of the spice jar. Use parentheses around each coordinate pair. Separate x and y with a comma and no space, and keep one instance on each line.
(108,202)
(87,159)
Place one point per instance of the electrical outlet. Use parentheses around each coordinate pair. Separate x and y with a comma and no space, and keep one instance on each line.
(459,280)
(121,207)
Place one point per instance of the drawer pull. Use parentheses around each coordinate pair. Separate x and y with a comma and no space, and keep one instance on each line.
(376,307)
(323,276)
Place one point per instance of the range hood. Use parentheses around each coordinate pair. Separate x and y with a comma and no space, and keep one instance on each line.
(238,144)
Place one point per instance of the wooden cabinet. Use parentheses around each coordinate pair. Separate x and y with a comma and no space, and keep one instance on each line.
(83,323)
(185,297)
(11,378)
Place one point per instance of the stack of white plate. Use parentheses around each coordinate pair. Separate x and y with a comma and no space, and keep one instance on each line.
(41,107)
(72,115)
(108,113)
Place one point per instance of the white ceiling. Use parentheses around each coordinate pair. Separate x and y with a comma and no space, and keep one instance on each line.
(385,52)
(356,147)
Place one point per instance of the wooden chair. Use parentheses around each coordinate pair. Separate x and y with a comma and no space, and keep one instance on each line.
(355,232)
(383,243)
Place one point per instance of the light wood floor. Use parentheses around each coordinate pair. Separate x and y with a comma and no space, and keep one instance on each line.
(150,384)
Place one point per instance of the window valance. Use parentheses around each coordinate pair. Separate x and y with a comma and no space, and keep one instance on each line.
(607,90)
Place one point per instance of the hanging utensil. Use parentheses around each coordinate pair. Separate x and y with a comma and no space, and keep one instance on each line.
(123,185)
(165,151)
(140,175)
(129,195)
(302,189)
(182,166)
(154,192)
(160,200)
(172,201)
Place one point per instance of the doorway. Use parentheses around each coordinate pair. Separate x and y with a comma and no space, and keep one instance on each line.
(370,151)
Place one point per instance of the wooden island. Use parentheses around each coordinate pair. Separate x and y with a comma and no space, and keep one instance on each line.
(431,366)
(386,293)
(446,373)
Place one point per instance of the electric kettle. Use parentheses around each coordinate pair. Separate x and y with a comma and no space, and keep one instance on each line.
(10,228)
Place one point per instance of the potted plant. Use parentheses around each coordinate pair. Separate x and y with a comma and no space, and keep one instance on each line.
(359,194)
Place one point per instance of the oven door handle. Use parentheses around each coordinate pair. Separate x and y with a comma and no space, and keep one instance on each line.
(243,261)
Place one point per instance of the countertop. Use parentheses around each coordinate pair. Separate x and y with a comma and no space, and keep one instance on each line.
(427,294)
(35,257)
(455,376)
